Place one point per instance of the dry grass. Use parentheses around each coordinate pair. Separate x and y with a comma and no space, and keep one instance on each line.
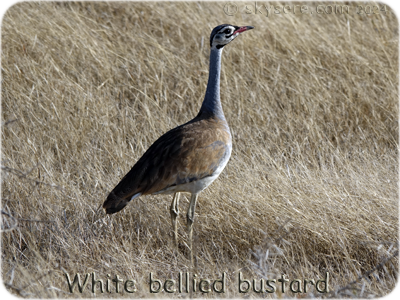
(311,187)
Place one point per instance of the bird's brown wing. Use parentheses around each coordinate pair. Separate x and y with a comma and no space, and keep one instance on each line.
(186,153)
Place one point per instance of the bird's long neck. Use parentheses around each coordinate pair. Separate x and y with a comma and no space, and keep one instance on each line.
(212,100)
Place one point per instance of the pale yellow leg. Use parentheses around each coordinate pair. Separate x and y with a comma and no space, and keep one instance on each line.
(190,220)
(174,210)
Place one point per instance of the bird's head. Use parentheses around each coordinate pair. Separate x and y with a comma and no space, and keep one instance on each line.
(225,33)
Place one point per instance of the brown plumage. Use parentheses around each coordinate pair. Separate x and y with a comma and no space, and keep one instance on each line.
(184,154)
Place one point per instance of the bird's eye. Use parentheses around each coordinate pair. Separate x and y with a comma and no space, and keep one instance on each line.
(227,31)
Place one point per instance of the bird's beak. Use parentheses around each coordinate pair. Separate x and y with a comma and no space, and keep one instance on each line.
(243,29)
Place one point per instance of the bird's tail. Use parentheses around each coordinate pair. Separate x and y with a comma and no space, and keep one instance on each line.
(114,203)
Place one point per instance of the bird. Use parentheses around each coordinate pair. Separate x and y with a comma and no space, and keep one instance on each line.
(187,158)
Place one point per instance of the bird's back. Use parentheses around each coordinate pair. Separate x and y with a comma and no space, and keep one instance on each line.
(185,159)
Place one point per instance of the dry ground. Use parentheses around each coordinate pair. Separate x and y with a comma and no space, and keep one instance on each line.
(312,101)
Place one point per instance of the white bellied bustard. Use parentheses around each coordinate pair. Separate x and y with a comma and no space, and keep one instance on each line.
(189,157)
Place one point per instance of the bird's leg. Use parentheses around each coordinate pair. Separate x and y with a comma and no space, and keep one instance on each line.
(174,210)
(190,220)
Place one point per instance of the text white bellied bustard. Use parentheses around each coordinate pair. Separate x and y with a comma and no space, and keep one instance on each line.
(189,157)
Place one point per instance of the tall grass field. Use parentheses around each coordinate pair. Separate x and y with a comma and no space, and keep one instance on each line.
(308,205)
